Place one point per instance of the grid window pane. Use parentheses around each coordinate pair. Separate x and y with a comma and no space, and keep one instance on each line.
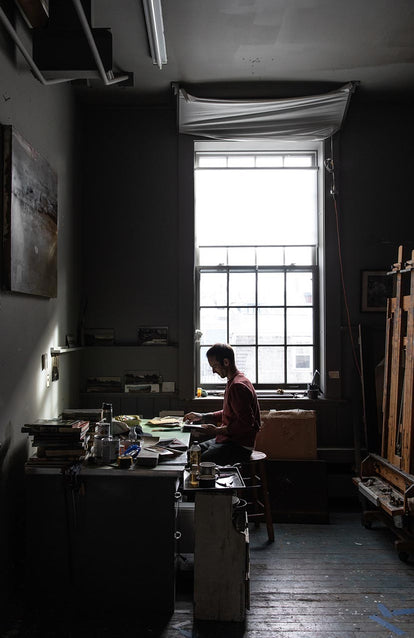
(213,161)
(299,364)
(241,160)
(299,289)
(269,160)
(241,256)
(213,289)
(246,361)
(271,364)
(214,256)
(242,289)
(298,160)
(270,289)
(251,206)
(299,255)
(213,325)
(299,325)
(270,325)
(270,256)
(242,326)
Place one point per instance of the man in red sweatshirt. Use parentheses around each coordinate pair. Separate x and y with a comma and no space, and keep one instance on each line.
(234,427)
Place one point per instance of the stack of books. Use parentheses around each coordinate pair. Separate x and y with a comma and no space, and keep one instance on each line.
(59,442)
(93,415)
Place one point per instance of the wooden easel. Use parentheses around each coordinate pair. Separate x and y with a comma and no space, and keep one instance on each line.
(387,481)
(398,423)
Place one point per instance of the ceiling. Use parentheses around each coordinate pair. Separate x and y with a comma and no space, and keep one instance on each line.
(276,47)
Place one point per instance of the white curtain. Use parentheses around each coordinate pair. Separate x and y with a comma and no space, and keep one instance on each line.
(314,117)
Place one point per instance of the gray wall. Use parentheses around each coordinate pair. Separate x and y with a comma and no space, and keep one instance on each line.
(30,326)
(139,228)
(139,257)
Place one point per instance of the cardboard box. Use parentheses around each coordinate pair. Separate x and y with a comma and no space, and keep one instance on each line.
(288,434)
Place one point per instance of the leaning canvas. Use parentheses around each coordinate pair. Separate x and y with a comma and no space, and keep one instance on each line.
(29,202)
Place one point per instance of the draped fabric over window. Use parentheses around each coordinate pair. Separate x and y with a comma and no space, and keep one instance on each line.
(314,117)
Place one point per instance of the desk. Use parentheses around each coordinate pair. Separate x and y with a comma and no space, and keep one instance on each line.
(106,539)
(221,553)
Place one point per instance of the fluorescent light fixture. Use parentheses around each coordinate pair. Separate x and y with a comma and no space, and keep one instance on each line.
(155,30)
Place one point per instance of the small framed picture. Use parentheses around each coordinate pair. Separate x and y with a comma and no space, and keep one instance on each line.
(376,287)
(153,336)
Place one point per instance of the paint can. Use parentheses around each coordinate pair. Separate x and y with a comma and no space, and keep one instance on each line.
(110,449)
(97,446)
(103,428)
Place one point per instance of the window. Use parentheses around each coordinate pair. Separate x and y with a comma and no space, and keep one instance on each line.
(257,262)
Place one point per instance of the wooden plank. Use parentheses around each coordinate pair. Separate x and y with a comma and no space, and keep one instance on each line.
(387,380)
(394,396)
(407,452)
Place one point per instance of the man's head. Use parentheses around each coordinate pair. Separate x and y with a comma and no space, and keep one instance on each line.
(221,359)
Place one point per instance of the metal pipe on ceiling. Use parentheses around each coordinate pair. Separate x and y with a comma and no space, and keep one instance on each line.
(89,36)
(107,77)
(35,69)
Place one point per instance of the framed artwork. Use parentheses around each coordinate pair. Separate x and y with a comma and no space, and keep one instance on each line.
(29,203)
(376,287)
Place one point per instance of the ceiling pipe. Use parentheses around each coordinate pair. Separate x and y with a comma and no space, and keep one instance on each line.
(107,77)
(35,69)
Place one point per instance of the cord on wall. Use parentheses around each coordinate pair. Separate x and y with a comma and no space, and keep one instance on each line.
(330,167)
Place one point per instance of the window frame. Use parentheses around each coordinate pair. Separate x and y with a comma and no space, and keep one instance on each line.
(287,149)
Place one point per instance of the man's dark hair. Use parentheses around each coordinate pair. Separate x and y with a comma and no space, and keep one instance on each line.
(221,351)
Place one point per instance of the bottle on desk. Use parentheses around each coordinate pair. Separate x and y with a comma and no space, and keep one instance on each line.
(194,482)
(106,422)
(194,455)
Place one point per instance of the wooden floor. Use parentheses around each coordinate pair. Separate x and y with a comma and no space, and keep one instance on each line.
(315,581)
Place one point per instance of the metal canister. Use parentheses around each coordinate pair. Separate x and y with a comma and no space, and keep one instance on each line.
(97,446)
(110,449)
(103,428)
(107,415)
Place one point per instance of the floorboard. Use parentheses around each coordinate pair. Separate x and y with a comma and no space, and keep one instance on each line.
(336,580)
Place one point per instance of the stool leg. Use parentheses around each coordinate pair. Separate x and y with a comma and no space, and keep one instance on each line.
(255,496)
(266,502)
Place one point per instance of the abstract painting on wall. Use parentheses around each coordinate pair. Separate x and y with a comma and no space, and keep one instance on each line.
(29,200)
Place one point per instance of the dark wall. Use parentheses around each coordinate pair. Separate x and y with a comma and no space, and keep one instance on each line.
(29,326)
(139,249)
(375,166)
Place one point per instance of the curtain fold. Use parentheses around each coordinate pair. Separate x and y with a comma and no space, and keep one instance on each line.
(314,117)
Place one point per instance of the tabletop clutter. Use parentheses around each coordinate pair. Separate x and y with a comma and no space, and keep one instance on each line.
(96,437)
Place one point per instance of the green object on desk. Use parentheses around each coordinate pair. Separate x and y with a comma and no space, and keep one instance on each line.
(163,432)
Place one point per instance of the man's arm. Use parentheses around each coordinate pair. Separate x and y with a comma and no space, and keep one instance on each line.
(204,417)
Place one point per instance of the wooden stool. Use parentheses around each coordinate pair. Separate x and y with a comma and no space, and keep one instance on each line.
(256,492)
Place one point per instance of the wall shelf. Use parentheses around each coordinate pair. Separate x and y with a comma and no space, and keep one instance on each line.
(135,395)
(55,351)
(129,345)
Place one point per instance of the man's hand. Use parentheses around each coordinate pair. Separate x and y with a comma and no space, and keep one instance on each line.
(210,429)
(193,417)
